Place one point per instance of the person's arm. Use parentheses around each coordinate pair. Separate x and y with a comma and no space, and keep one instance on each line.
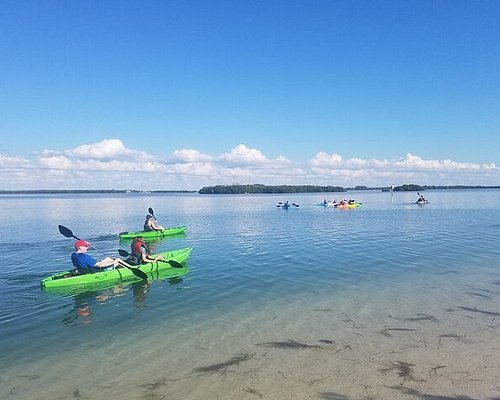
(148,259)
(156,226)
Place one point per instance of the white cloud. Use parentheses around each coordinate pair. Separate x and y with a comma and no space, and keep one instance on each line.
(110,162)
(417,163)
(411,168)
(323,160)
(189,156)
(7,161)
(197,169)
(106,149)
(243,156)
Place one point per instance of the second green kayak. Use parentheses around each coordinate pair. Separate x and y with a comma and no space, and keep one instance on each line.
(153,234)
(65,279)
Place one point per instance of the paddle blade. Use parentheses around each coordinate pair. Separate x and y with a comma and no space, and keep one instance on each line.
(150,210)
(66,232)
(137,272)
(123,253)
(175,264)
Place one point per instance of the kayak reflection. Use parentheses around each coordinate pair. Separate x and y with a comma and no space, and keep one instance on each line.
(87,302)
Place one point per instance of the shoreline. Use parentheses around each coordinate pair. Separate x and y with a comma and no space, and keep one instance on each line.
(92,191)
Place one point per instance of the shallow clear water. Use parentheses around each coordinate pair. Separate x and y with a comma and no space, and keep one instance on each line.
(258,274)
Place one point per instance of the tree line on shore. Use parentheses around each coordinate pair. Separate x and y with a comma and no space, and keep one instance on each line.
(259,188)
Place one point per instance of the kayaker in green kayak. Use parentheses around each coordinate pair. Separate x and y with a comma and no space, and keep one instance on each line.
(85,263)
(151,225)
(140,253)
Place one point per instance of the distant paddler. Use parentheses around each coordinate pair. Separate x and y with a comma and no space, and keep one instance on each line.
(151,224)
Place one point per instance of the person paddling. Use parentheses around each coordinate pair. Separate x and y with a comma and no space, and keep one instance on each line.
(140,252)
(85,264)
(151,225)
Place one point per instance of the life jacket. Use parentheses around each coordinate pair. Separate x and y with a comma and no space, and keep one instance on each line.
(146,227)
(137,250)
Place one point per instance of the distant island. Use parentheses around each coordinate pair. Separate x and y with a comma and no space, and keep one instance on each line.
(262,189)
(258,188)
(418,188)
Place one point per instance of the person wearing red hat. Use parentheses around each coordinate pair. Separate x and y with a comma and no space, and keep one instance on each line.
(85,264)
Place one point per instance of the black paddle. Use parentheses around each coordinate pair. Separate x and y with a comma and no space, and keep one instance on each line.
(173,263)
(69,234)
(150,210)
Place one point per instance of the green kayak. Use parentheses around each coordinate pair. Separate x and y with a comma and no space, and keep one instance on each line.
(153,234)
(64,279)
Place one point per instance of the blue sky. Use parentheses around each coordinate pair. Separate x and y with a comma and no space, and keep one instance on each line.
(183,94)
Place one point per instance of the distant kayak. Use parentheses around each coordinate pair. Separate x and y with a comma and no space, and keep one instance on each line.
(152,234)
(421,199)
(352,205)
(287,205)
(328,204)
(65,279)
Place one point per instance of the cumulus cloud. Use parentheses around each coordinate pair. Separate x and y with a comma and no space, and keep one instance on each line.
(410,168)
(241,155)
(189,156)
(105,150)
(322,159)
(416,163)
(110,162)
(107,155)
(108,149)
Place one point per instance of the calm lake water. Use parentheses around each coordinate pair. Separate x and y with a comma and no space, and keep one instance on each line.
(273,299)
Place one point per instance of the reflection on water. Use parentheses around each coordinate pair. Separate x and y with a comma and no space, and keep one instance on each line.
(86,302)
(153,243)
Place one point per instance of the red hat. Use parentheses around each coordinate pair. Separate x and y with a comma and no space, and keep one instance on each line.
(81,243)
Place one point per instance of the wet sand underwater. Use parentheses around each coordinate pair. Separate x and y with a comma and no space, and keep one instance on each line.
(420,340)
